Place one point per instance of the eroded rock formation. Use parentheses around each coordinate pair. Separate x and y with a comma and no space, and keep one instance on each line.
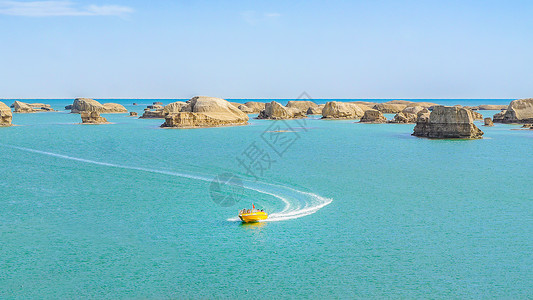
(315,110)
(6,116)
(22,107)
(276,111)
(206,112)
(519,111)
(373,116)
(447,122)
(302,106)
(92,117)
(342,110)
(488,122)
(87,104)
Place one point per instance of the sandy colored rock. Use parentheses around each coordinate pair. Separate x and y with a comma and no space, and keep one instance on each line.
(92,117)
(22,107)
(206,112)
(390,108)
(6,116)
(498,118)
(276,111)
(404,118)
(315,110)
(364,103)
(373,116)
(476,115)
(447,122)
(133,114)
(413,110)
(528,126)
(87,104)
(302,106)
(488,122)
(491,107)
(519,111)
(252,107)
(175,107)
(341,110)
(423,104)
(114,108)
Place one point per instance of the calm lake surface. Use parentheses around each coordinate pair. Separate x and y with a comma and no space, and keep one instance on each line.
(359,210)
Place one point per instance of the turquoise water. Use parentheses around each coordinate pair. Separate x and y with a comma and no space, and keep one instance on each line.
(124,211)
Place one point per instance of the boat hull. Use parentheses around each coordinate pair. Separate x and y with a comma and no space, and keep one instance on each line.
(253,217)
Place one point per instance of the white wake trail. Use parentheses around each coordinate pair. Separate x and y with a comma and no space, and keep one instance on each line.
(297,203)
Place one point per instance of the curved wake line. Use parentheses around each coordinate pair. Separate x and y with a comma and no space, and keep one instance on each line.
(297,203)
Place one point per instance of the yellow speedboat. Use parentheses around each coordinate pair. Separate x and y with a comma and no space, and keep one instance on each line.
(252,215)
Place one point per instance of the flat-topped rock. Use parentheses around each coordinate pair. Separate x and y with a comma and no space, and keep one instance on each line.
(341,110)
(6,116)
(252,107)
(446,122)
(491,107)
(302,106)
(276,111)
(87,104)
(160,112)
(373,116)
(133,114)
(488,122)
(92,117)
(22,107)
(390,108)
(519,111)
(204,111)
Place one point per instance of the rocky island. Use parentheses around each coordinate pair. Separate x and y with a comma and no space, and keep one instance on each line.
(446,122)
(203,111)
(342,110)
(276,111)
(6,116)
(87,104)
(21,107)
(92,117)
(519,112)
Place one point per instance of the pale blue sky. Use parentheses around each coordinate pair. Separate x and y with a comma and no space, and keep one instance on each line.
(266,49)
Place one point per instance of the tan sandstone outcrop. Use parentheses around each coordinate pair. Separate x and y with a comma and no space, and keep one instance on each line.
(315,110)
(160,112)
(518,111)
(252,107)
(447,122)
(389,108)
(276,111)
(302,106)
(373,116)
(6,116)
(87,104)
(488,122)
(92,117)
(341,110)
(133,114)
(491,107)
(22,107)
(206,112)
(498,118)
(404,118)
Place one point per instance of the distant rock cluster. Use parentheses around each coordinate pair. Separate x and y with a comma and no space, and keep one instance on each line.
(21,107)
(87,104)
